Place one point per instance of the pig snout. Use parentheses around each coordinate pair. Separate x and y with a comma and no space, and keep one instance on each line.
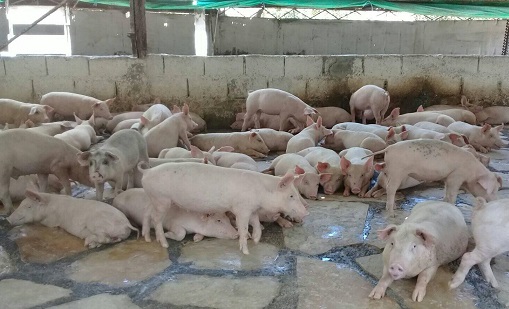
(396,271)
(96,176)
(356,190)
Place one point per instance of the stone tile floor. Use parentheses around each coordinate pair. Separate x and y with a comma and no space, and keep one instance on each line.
(331,260)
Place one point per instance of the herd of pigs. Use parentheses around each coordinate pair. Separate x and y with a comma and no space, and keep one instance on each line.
(181,182)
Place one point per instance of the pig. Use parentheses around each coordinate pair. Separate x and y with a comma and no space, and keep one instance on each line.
(411,118)
(332,115)
(250,143)
(482,138)
(434,234)
(294,163)
(195,152)
(82,136)
(490,227)
(36,154)
(433,127)
(389,135)
(121,117)
(67,103)
(226,158)
(16,113)
(125,124)
(275,140)
(492,115)
(370,97)
(100,125)
(417,133)
(464,104)
(143,107)
(268,216)
(177,222)
(435,160)
(153,116)
(485,160)
(380,186)
(202,125)
(167,133)
(241,192)
(112,160)
(344,139)
(325,161)
(276,102)
(266,121)
(456,113)
(18,187)
(357,170)
(53,128)
(309,137)
(96,222)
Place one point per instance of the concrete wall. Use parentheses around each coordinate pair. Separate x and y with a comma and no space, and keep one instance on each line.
(106,33)
(217,87)
(322,37)
(4,26)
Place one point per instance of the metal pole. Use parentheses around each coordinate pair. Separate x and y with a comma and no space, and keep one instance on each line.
(506,38)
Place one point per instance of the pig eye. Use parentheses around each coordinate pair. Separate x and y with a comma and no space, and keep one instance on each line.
(105,162)
(291,196)
(306,182)
(392,244)
(362,175)
(218,220)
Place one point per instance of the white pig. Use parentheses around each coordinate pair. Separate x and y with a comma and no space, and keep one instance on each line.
(153,116)
(388,134)
(67,103)
(250,143)
(482,138)
(275,140)
(370,97)
(121,117)
(96,222)
(177,222)
(325,161)
(225,158)
(276,102)
(118,156)
(82,136)
(357,170)
(18,187)
(241,192)
(331,115)
(309,137)
(344,139)
(411,118)
(16,113)
(455,113)
(433,127)
(485,160)
(490,227)
(417,133)
(266,121)
(195,152)
(435,160)
(434,234)
(379,189)
(201,124)
(53,128)
(167,133)
(125,124)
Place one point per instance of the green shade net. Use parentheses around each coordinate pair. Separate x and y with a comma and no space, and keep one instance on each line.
(457,8)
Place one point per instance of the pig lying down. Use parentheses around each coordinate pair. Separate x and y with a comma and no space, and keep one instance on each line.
(96,222)
(434,234)
(241,192)
(177,222)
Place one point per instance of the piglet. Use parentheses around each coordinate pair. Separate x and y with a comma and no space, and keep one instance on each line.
(82,136)
(201,124)
(266,121)
(357,170)
(195,152)
(153,116)
(309,137)
(17,113)
(249,143)
(53,128)
(96,222)
(331,115)
(390,135)
(370,97)
(325,161)
(275,140)
(226,158)
(344,139)
(490,227)
(67,104)
(125,124)
(121,117)
(434,234)
(482,138)
(118,156)
(412,118)
(177,222)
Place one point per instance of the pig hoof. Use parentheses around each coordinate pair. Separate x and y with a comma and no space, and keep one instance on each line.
(377,293)
(164,245)
(418,294)
(454,283)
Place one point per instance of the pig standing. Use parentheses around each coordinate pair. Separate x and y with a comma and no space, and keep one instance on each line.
(482,138)
(24,153)
(16,113)
(276,102)
(434,160)
(325,161)
(67,103)
(241,192)
(370,97)
(412,118)
(275,140)
(177,222)
(490,227)
(96,222)
(309,137)
(167,133)
(434,234)
(294,163)
(119,155)
(250,143)
(357,170)
(82,136)
(344,139)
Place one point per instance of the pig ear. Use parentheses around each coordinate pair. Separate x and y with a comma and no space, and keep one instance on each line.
(464,101)
(319,122)
(299,170)
(29,123)
(298,179)
(426,237)
(83,158)
(204,217)
(33,110)
(143,120)
(110,101)
(309,111)
(455,138)
(420,108)
(176,109)
(195,151)
(77,119)
(185,109)
(226,149)
(325,177)
(96,104)
(47,108)
(211,150)
(487,183)
(368,166)
(395,113)
(252,135)
(157,100)
(465,139)
(91,120)
(499,128)
(322,167)
(485,128)
(404,135)
(379,166)
(285,181)
(111,156)
(386,232)
(309,121)
(33,195)
(390,133)
(345,164)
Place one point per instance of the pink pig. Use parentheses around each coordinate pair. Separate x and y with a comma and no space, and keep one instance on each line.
(370,97)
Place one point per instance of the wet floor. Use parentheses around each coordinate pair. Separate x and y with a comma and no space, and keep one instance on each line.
(331,260)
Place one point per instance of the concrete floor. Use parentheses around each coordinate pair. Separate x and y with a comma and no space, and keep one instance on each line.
(331,260)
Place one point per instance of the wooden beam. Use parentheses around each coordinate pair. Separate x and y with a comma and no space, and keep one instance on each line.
(138,32)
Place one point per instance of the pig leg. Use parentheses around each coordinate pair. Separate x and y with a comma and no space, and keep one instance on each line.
(242,226)
(283,222)
(393,184)
(296,125)
(488,273)
(185,139)
(63,177)
(373,190)
(422,281)
(254,153)
(379,290)
(120,181)
(256,118)
(130,179)
(363,190)
(452,187)
(43,182)
(91,241)
(282,121)
(468,260)
(254,221)
(4,194)
(378,193)
(99,190)
(198,237)
(346,192)
(247,118)
(145,228)
(176,233)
